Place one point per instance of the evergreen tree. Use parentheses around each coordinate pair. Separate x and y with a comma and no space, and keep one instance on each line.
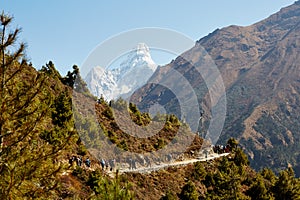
(258,190)
(232,143)
(29,164)
(106,189)
(269,178)
(75,81)
(189,192)
(268,175)
(169,196)
(240,158)
(226,182)
(50,70)
(287,187)
(199,171)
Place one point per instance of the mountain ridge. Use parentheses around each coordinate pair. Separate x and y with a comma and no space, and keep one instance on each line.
(258,64)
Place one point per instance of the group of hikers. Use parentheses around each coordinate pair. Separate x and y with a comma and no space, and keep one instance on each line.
(131,163)
(79,161)
(221,149)
(105,164)
(145,161)
(111,163)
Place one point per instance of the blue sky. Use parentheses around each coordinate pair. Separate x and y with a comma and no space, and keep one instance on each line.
(66,31)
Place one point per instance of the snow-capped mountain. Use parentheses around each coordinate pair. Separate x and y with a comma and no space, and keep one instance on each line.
(102,82)
(123,80)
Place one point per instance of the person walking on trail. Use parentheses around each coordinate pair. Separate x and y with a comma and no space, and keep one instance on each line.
(169,157)
(88,162)
(70,160)
(102,163)
(129,161)
(205,153)
(133,164)
(112,164)
(148,162)
(79,161)
(106,165)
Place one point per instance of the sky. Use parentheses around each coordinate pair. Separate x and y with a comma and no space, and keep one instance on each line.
(67,31)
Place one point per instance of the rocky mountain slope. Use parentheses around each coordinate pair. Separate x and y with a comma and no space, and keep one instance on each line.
(260,68)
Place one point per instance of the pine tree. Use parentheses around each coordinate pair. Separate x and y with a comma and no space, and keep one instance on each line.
(189,192)
(240,158)
(199,171)
(232,143)
(169,196)
(258,190)
(107,189)
(50,70)
(29,164)
(287,187)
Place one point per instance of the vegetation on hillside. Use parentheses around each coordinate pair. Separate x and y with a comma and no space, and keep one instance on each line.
(225,178)
(38,135)
(37,129)
(168,126)
(34,129)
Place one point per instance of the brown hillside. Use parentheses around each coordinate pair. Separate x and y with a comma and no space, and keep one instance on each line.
(260,68)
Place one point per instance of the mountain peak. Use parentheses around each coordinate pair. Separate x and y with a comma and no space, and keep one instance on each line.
(123,80)
(139,56)
(142,49)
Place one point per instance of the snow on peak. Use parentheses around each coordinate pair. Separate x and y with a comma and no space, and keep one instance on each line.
(132,73)
(139,56)
(143,49)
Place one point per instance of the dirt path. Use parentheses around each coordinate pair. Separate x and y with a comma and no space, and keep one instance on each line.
(172,164)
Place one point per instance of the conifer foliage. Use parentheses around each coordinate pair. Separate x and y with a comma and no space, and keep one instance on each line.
(29,161)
